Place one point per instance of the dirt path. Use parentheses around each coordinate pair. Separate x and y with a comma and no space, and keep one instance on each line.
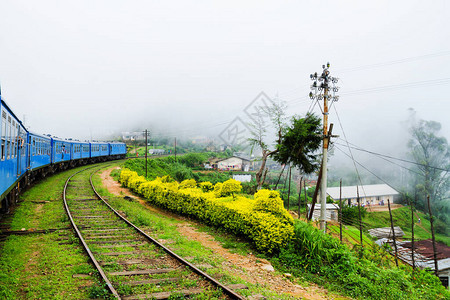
(249,268)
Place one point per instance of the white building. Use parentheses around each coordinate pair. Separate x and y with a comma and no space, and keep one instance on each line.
(374,194)
(234,163)
(332,211)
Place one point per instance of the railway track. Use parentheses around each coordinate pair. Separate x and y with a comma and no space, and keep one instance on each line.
(132,264)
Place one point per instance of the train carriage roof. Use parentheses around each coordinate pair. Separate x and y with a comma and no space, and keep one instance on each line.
(5,105)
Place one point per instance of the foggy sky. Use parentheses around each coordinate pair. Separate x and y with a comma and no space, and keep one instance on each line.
(85,69)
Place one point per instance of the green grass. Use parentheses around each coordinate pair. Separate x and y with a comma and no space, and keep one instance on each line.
(41,266)
(402,218)
(164,227)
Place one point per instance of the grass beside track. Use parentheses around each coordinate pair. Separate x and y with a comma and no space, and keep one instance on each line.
(45,265)
(164,228)
(55,266)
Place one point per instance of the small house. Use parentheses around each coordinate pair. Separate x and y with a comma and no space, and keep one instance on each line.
(332,211)
(234,163)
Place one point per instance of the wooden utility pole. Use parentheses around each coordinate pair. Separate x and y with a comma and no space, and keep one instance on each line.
(432,237)
(340,210)
(322,85)
(393,232)
(146,152)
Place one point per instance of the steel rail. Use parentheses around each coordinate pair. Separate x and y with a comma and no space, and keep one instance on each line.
(226,290)
(86,247)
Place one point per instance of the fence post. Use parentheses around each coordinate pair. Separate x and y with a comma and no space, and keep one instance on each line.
(393,232)
(340,210)
(360,220)
(299,196)
(412,236)
(289,188)
(432,237)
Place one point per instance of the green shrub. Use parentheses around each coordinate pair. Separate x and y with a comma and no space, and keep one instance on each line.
(269,229)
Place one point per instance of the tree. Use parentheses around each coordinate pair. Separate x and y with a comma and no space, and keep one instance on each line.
(431,153)
(258,130)
(299,141)
(295,143)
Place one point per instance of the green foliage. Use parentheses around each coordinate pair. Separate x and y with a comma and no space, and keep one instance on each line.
(269,228)
(402,218)
(322,258)
(249,187)
(299,142)
(350,214)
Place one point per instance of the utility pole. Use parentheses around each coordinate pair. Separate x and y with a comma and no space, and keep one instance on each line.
(322,86)
(393,233)
(175,149)
(340,210)
(436,270)
(146,151)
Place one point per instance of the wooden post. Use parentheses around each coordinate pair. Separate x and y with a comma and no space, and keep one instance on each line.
(299,196)
(314,199)
(146,151)
(432,237)
(412,236)
(360,220)
(289,189)
(306,198)
(279,177)
(393,232)
(175,149)
(340,210)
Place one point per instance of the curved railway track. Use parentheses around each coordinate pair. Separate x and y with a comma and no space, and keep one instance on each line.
(132,264)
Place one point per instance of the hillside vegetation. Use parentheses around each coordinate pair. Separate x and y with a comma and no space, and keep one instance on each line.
(402,218)
(300,249)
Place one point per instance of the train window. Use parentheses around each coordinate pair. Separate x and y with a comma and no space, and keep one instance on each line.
(2,150)
(8,150)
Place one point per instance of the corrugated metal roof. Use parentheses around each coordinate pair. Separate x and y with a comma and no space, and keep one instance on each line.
(372,190)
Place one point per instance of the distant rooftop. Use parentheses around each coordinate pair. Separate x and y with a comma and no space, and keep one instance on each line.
(372,190)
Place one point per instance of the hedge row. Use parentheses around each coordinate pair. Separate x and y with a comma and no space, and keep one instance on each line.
(263,220)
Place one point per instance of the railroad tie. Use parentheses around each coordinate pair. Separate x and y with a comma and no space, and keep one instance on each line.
(142,272)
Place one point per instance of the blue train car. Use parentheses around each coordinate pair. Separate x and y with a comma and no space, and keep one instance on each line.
(80,150)
(95,149)
(117,148)
(13,150)
(85,150)
(39,154)
(104,149)
(61,150)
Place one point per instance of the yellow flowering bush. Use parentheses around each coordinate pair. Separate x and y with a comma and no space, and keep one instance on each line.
(188,183)
(262,220)
(271,202)
(206,186)
(230,187)
(218,189)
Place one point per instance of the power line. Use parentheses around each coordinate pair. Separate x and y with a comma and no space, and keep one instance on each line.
(355,161)
(351,154)
(391,157)
(393,62)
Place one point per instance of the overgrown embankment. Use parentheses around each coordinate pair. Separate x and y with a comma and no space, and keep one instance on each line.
(301,249)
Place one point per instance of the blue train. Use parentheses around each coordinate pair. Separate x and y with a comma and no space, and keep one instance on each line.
(25,155)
